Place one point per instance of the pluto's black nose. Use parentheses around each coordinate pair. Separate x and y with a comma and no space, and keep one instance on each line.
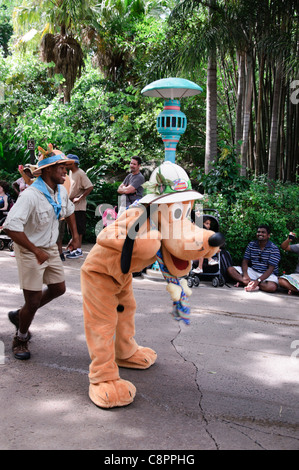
(217,239)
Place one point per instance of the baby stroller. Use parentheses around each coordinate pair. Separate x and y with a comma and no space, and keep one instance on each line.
(209,272)
(4,239)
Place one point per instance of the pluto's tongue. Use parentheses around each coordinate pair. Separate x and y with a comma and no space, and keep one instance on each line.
(180,264)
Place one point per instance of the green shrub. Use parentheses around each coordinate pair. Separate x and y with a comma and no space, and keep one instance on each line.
(244,204)
(224,176)
(256,205)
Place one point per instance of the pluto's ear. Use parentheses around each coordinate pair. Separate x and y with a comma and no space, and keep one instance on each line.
(126,254)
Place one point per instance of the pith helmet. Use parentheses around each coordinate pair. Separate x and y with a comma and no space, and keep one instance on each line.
(169,183)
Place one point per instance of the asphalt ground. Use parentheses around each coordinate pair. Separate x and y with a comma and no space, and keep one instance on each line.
(227,381)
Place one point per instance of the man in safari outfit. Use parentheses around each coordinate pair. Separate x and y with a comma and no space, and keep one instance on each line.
(33,224)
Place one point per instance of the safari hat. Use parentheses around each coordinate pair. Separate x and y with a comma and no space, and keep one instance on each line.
(169,183)
(50,157)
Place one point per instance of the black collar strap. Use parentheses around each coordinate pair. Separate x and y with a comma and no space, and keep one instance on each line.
(126,254)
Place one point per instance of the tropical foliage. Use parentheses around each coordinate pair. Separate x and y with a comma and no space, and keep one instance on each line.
(72,75)
(241,215)
(252,48)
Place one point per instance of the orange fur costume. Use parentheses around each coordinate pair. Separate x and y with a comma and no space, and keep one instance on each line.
(106,280)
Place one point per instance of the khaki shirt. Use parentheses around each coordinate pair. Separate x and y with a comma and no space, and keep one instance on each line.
(34,215)
(79,183)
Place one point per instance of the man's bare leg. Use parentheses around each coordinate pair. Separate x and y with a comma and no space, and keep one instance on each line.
(36,299)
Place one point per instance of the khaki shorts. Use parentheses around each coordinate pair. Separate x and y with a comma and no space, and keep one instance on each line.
(32,275)
(254,275)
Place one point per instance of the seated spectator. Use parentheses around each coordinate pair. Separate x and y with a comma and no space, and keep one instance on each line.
(3,199)
(264,256)
(290,282)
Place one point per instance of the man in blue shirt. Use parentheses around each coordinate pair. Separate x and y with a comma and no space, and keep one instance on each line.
(259,268)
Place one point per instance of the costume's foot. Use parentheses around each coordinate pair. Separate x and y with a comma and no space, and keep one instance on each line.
(13,316)
(112,393)
(20,348)
(143,358)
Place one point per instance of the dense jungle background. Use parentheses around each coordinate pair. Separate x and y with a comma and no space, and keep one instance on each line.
(71,73)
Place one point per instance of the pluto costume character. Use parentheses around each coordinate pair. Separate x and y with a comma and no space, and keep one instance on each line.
(160,224)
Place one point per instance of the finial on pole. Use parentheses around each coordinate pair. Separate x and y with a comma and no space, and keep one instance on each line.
(171,122)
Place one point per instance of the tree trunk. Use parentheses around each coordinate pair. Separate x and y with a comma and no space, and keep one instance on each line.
(289,143)
(226,86)
(258,117)
(211,113)
(240,100)
(273,143)
(247,114)
(295,159)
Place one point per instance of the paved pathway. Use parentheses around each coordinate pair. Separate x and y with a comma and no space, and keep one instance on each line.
(228,381)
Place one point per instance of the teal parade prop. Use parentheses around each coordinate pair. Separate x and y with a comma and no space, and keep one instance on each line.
(171,122)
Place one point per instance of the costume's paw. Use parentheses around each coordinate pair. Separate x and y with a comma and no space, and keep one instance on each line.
(187,289)
(142,359)
(175,291)
(112,393)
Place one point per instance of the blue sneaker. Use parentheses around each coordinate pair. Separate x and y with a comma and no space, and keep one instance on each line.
(75,254)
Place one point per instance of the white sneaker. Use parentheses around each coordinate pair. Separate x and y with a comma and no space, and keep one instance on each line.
(212,262)
(197,270)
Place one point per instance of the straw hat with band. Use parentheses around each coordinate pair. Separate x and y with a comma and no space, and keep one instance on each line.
(48,159)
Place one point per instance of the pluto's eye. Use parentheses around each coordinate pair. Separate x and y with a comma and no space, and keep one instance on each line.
(177,211)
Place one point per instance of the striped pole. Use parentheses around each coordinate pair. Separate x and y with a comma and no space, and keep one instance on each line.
(171,124)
